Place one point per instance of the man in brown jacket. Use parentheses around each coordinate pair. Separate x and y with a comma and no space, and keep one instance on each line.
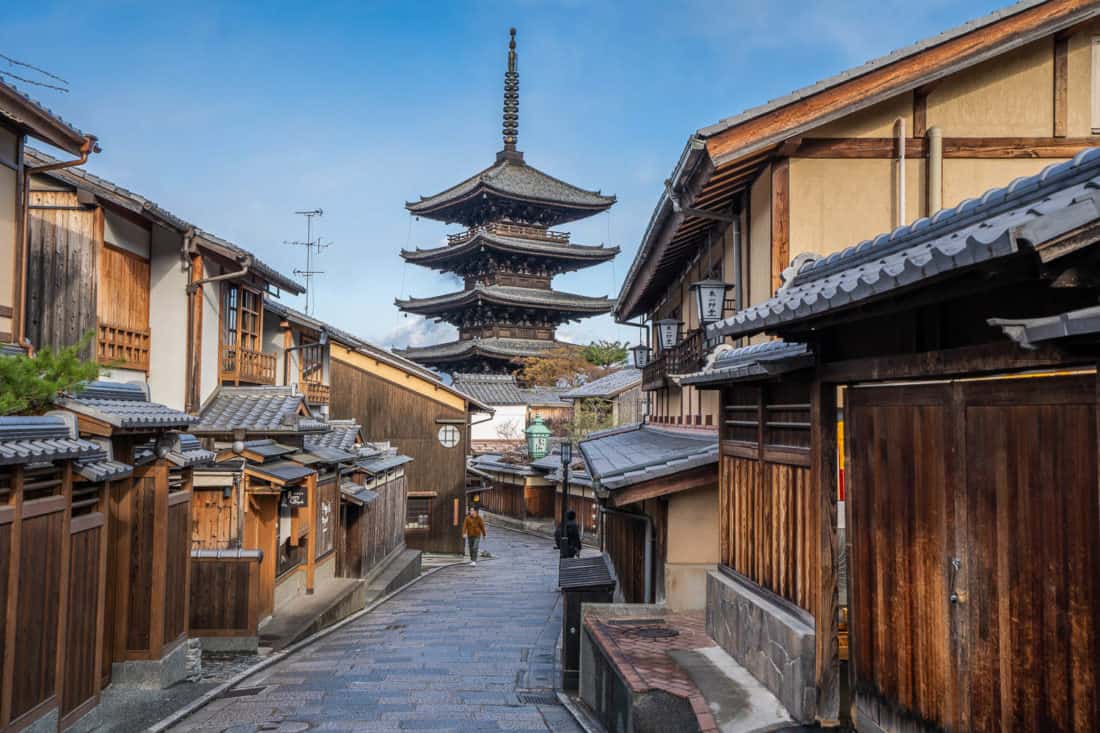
(473,529)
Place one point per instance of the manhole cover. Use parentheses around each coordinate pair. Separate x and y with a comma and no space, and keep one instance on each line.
(537,698)
(654,632)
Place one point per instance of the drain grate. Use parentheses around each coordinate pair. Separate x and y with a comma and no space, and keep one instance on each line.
(538,698)
(653,632)
(242,692)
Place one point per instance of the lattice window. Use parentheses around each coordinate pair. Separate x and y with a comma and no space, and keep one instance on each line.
(741,421)
(418,513)
(41,481)
(6,479)
(85,499)
(787,415)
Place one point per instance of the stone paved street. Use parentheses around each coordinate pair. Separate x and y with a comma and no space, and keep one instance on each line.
(456,652)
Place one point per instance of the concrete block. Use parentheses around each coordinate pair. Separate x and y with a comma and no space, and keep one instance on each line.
(152,674)
(776,646)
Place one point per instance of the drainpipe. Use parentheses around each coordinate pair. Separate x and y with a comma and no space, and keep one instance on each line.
(647,592)
(935,170)
(90,146)
(246,265)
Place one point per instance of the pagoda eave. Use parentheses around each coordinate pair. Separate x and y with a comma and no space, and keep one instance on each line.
(522,298)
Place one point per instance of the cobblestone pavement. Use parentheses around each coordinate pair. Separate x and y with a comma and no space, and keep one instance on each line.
(463,650)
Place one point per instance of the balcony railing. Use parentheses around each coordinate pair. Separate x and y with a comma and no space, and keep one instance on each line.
(242,365)
(653,375)
(316,393)
(510,230)
(690,355)
(127,348)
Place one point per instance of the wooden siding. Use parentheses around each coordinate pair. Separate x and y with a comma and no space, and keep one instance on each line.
(539,501)
(123,293)
(390,412)
(225,596)
(373,532)
(85,617)
(999,476)
(61,268)
(624,542)
(327,517)
(504,499)
(176,566)
(216,517)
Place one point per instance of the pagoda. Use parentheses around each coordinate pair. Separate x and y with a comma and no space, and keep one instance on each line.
(507,256)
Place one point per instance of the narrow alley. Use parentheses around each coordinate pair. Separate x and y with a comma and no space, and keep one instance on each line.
(467,649)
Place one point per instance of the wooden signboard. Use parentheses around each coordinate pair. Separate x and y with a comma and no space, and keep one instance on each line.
(297,497)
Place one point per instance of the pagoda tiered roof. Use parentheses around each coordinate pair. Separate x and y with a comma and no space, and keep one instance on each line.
(511,189)
(547,245)
(566,304)
(468,349)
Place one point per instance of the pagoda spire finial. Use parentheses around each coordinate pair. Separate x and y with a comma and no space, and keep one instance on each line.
(511,98)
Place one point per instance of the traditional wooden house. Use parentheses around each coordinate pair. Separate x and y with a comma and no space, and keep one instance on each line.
(514,488)
(963,348)
(53,571)
(614,400)
(374,497)
(20,117)
(758,194)
(148,532)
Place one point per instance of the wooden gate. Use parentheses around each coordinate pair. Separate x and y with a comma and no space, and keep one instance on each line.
(974,543)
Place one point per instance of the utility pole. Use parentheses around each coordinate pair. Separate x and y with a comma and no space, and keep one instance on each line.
(311,245)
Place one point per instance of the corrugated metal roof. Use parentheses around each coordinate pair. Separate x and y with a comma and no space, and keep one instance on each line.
(256,410)
(40,438)
(752,362)
(1003,222)
(631,454)
(607,386)
(586,572)
(125,406)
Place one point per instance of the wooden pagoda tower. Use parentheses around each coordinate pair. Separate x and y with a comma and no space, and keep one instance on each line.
(507,256)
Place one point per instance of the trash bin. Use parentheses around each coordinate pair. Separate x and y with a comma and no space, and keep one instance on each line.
(581,580)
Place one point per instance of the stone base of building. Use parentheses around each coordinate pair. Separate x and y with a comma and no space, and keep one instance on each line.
(152,674)
(230,644)
(775,645)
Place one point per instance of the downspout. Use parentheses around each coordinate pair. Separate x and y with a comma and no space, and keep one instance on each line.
(647,592)
(246,265)
(89,147)
(189,380)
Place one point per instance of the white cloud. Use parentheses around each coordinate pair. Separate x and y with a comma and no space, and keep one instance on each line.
(419,331)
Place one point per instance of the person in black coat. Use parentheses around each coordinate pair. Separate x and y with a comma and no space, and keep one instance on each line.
(571,547)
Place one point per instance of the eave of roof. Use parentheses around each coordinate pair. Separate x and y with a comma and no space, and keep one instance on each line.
(631,454)
(492,347)
(607,386)
(508,295)
(37,120)
(488,240)
(759,361)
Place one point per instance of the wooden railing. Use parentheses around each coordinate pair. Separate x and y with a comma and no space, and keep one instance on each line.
(242,365)
(510,230)
(689,355)
(315,392)
(127,348)
(653,375)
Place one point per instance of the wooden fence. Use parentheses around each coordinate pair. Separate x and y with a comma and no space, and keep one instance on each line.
(374,531)
(504,499)
(225,592)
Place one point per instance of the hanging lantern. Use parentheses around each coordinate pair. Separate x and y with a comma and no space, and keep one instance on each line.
(710,299)
(538,439)
(641,356)
(668,332)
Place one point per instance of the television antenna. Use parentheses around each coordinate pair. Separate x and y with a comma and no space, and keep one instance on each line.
(312,246)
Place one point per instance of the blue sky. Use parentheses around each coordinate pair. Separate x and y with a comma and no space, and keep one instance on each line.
(235,115)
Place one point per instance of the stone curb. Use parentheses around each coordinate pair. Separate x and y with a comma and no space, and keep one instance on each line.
(278,656)
(584,720)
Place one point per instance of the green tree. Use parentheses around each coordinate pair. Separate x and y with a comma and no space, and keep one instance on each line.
(606,353)
(30,384)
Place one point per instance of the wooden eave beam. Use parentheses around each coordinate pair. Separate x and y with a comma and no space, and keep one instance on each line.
(896,78)
(695,478)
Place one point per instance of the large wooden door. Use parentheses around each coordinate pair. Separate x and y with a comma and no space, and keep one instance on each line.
(974,549)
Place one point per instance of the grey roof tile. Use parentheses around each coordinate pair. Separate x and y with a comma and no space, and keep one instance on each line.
(508,295)
(544,397)
(492,389)
(98,466)
(125,406)
(33,116)
(751,362)
(41,438)
(375,465)
(186,452)
(357,494)
(1004,221)
(256,410)
(1029,332)
(502,347)
(323,455)
(607,386)
(491,240)
(343,435)
(285,471)
(496,462)
(621,457)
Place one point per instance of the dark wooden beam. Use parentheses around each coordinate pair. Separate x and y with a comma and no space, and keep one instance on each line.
(1061,86)
(695,478)
(953,147)
(781,219)
(920,115)
(823,481)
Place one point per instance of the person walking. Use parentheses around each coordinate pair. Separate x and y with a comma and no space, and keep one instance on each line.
(473,529)
(571,546)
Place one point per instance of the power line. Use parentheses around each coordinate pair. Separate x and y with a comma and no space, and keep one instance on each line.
(25,65)
(25,80)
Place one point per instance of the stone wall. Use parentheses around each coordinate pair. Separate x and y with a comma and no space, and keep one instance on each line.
(773,643)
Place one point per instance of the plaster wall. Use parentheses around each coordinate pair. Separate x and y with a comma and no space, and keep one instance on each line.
(875,121)
(125,234)
(966,178)
(509,421)
(1079,76)
(271,342)
(693,548)
(168,278)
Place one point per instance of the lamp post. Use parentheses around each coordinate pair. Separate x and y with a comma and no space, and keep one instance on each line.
(538,439)
(566,459)
(641,356)
(668,332)
(710,299)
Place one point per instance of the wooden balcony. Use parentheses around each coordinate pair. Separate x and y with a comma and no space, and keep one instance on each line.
(511,230)
(315,392)
(653,375)
(250,367)
(122,347)
(686,357)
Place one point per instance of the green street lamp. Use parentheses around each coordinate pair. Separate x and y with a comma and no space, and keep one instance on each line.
(538,439)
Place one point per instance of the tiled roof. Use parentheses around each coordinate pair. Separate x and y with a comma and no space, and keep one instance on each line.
(357,494)
(343,435)
(624,456)
(499,347)
(514,179)
(98,466)
(285,471)
(544,397)
(39,121)
(268,448)
(186,451)
(608,386)
(493,241)
(256,410)
(496,462)
(492,389)
(1004,221)
(1029,332)
(752,362)
(43,438)
(508,295)
(380,464)
(324,455)
(125,406)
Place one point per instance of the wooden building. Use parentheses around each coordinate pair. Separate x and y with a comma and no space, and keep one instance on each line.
(963,348)
(616,399)
(507,257)
(20,117)
(53,570)
(374,498)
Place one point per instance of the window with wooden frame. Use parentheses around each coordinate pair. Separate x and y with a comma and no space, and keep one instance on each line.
(418,513)
(243,359)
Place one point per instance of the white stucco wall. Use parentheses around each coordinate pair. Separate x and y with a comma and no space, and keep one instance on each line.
(211,303)
(126,235)
(168,278)
(505,414)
